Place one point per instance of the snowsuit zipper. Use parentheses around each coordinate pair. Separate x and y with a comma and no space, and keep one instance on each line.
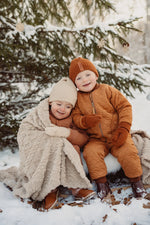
(93,106)
(94,112)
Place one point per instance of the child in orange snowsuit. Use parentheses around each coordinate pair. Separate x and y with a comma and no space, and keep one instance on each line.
(106,115)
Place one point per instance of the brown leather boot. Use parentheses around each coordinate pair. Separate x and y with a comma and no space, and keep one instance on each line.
(51,200)
(103,189)
(83,194)
(138,189)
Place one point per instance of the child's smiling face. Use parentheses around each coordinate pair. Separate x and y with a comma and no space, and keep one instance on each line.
(86,80)
(61,109)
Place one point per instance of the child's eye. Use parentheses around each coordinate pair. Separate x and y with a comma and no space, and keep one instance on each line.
(78,78)
(88,74)
(58,104)
(69,107)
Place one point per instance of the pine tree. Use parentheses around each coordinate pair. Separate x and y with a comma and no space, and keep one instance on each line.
(39,38)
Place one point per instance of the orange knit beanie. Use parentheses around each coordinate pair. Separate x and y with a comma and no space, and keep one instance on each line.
(80,64)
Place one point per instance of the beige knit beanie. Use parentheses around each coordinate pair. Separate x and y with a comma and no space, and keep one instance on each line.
(64,90)
(80,64)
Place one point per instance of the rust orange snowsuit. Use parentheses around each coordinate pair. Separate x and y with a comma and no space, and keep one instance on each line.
(78,138)
(113,109)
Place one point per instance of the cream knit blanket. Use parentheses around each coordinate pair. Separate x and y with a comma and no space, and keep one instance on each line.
(142,143)
(45,162)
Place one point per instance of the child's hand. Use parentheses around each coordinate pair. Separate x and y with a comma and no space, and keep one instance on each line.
(57,131)
(90,120)
(120,135)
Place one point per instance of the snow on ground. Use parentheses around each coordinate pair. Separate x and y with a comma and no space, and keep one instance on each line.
(15,212)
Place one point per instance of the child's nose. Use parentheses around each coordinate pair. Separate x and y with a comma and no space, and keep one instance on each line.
(63,108)
(84,78)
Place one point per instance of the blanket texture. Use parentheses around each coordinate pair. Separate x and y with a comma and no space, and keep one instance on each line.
(142,143)
(45,162)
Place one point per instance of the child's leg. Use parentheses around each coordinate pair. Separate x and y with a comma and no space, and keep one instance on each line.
(94,154)
(128,158)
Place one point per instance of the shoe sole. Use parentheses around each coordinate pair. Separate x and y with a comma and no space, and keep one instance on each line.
(88,197)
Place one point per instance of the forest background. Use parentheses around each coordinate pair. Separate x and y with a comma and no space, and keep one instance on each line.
(39,38)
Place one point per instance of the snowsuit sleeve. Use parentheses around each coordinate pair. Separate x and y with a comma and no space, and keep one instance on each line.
(77,137)
(121,105)
(77,117)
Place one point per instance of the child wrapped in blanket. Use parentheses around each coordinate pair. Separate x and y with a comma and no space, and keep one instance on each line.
(62,100)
